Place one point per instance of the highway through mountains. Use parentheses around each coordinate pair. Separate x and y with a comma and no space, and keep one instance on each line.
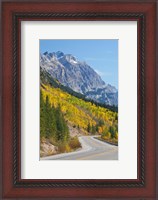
(92,149)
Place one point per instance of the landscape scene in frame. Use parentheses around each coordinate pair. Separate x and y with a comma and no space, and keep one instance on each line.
(79,99)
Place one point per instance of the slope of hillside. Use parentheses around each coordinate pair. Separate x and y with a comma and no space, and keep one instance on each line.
(46,79)
(86,116)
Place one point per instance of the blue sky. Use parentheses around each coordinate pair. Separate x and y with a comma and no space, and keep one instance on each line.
(101,55)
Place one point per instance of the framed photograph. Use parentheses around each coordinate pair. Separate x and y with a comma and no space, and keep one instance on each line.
(79,100)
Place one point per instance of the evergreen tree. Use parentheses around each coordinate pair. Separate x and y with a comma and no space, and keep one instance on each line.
(59,124)
(48,118)
(112,131)
(42,116)
(96,127)
(62,128)
(89,128)
(101,122)
(53,123)
(93,129)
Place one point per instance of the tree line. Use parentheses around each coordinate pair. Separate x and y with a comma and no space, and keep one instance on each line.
(47,79)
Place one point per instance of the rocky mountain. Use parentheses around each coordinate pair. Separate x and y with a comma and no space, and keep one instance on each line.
(78,76)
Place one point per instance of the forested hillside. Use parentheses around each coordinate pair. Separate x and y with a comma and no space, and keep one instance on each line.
(48,80)
(60,109)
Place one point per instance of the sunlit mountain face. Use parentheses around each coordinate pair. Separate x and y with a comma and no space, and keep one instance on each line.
(78,76)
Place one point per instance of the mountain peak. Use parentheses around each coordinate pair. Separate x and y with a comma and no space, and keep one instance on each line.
(78,76)
(59,54)
(70,58)
(45,53)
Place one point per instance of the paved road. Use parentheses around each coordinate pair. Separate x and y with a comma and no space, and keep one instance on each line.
(92,149)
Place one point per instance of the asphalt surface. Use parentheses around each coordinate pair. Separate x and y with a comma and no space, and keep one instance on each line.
(92,149)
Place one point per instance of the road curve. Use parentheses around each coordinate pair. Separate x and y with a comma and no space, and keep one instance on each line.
(92,149)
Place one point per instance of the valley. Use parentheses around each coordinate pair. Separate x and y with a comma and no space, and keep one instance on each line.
(78,118)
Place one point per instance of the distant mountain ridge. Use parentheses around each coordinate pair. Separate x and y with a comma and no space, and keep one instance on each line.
(78,76)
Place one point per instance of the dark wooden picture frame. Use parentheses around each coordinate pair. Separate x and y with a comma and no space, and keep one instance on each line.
(144,187)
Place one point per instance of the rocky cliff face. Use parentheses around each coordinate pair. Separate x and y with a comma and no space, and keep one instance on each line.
(78,76)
